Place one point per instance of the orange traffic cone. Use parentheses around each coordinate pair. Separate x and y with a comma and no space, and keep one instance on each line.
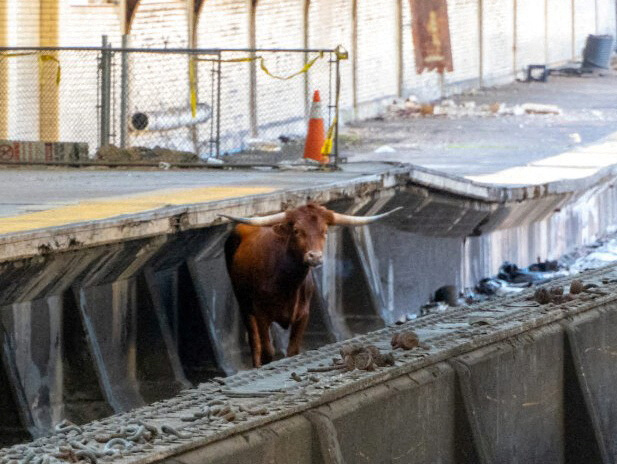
(316,135)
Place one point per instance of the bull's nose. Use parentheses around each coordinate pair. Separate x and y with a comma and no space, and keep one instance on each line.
(313,258)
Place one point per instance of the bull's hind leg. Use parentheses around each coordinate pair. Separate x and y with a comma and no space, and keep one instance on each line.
(254,339)
(297,332)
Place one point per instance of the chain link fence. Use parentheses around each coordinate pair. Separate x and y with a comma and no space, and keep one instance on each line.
(127,104)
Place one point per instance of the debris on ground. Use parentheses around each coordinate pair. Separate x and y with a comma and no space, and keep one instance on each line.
(557,294)
(358,356)
(111,153)
(538,108)
(533,274)
(263,145)
(575,137)
(407,340)
(384,149)
(412,108)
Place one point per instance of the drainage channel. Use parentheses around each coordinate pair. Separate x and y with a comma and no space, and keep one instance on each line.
(254,399)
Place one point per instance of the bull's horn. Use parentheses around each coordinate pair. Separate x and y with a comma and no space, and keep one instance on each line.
(345,220)
(257,221)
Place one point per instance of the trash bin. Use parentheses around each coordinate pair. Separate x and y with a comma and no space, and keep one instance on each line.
(598,51)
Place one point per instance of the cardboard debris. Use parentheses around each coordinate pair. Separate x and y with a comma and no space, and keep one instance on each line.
(537,108)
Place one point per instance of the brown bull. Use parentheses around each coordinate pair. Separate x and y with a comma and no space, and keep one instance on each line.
(268,260)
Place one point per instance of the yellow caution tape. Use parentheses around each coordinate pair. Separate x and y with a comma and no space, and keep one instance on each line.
(42,59)
(326,149)
(262,64)
(304,69)
(341,53)
(45,58)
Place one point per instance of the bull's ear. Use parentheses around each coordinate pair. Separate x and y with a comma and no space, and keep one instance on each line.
(281,228)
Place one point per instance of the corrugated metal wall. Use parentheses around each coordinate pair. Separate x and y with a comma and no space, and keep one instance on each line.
(465,39)
(227,24)
(280,25)
(559,31)
(497,40)
(377,50)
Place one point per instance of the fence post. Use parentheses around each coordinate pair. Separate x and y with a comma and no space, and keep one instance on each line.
(218,106)
(124,91)
(105,93)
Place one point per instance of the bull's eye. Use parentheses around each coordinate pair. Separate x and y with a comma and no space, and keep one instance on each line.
(297,231)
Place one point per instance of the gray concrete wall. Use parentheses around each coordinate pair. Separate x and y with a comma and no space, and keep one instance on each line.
(543,396)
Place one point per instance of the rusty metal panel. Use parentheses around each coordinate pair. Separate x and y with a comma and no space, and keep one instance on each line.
(431,35)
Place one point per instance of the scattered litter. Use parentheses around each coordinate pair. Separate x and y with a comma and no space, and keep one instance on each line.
(412,108)
(447,294)
(575,137)
(407,340)
(358,356)
(539,108)
(479,320)
(385,149)
(557,295)
(576,287)
(214,161)
(263,145)
(512,274)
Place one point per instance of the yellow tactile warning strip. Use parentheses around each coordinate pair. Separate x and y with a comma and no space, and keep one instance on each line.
(105,208)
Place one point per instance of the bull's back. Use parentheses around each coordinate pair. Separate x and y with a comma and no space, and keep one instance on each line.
(249,250)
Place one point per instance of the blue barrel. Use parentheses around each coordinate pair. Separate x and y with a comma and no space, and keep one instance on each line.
(598,50)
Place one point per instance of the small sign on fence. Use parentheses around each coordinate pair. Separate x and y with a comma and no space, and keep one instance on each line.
(431,35)
(12,151)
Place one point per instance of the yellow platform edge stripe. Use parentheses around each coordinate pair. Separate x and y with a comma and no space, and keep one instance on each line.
(109,207)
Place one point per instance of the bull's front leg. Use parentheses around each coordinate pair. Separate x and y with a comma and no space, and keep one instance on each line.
(297,333)
(267,350)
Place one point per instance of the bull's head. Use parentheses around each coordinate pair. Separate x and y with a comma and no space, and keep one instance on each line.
(306,227)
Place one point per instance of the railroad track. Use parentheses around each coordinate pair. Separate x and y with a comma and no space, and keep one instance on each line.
(253,398)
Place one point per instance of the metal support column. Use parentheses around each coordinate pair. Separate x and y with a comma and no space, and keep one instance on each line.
(105,93)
